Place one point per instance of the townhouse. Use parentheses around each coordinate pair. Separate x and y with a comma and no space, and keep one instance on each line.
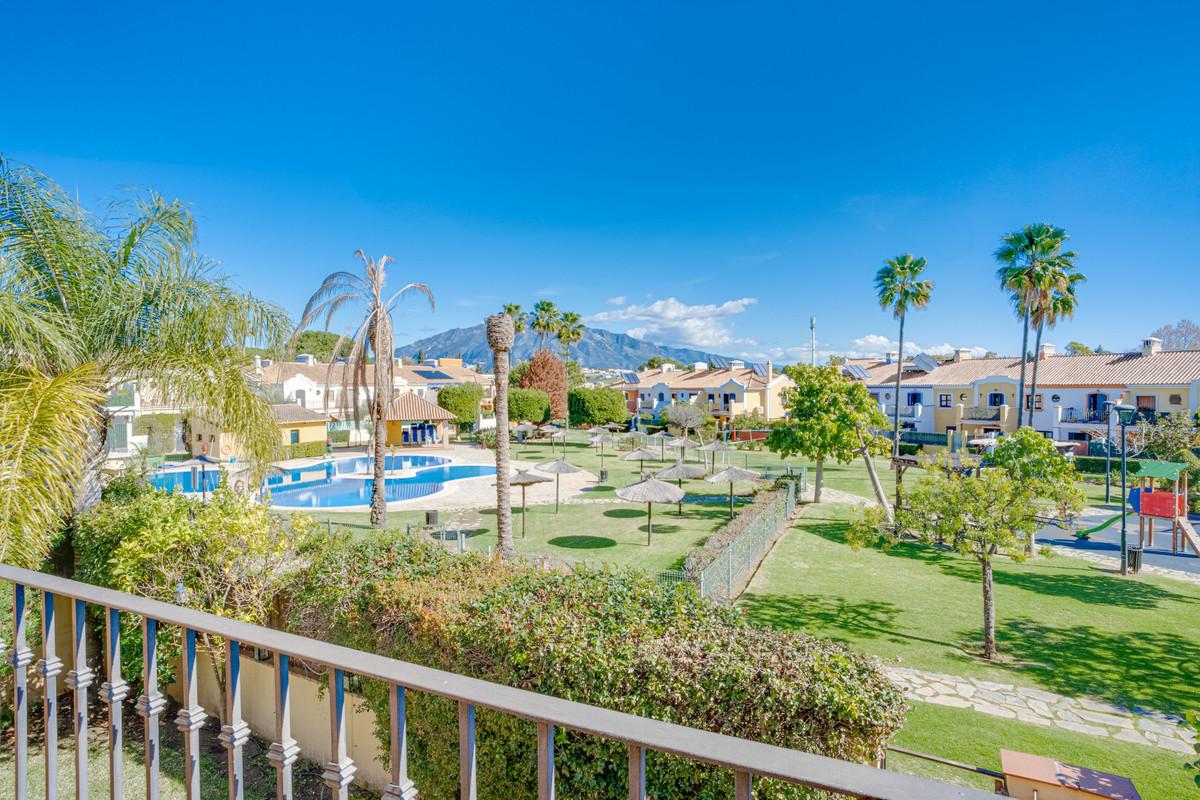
(727,391)
(978,396)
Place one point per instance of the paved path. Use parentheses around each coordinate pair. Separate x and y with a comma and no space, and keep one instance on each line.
(1079,715)
(1114,563)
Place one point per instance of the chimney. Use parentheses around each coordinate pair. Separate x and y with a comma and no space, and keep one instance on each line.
(305,358)
(962,354)
(891,356)
(737,364)
(1046,350)
(668,366)
(700,366)
(258,362)
(1151,345)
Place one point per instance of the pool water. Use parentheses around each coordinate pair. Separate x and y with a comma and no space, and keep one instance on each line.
(181,480)
(334,484)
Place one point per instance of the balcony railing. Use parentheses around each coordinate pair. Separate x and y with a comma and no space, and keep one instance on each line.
(746,759)
(982,413)
(1083,416)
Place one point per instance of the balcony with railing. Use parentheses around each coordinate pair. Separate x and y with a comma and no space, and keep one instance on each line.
(982,413)
(1083,416)
(906,412)
(746,760)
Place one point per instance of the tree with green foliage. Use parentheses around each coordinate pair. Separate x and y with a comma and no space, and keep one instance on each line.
(830,417)
(528,405)
(1079,349)
(463,402)
(980,515)
(544,321)
(570,332)
(90,303)
(159,430)
(1055,301)
(1167,436)
(656,362)
(519,318)
(546,372)
(596,406)
(320,345)
(1037,466)
(372,338)
(900,289)
(1024,257)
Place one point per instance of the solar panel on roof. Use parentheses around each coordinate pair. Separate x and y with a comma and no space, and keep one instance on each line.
(433,375)
(856,371)
(719,363)
(924,362)
(629,376)
(760,370)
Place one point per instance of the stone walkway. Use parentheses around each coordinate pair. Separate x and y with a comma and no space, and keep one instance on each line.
(1079,715)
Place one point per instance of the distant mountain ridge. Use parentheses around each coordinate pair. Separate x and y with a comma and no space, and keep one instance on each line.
(599,348)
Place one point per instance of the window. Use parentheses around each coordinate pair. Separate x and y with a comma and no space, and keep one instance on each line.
(1176,400)
(1146,402)
(294,436)
(661,397)
(1077,436)
(914,398)
(996,399)
(711,397)
(945,400)
(1036,400)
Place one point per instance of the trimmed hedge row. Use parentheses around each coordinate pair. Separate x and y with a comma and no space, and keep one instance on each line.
(700,557)
(305,450)
(622,641)
(1094,465)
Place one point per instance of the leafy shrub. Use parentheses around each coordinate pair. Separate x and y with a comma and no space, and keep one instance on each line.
(700,557)
(547,373)
(621,641)
(530,405)
(597,406)
(339,436)
(304,450)
(462,401)
(909,449)
(487,438)
(1094,465)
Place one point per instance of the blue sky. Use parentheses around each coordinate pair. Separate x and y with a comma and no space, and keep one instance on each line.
(696,173)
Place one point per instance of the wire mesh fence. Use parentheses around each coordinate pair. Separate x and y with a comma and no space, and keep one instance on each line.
(725,575)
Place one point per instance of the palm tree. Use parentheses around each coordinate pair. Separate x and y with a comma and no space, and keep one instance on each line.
(372,339)
(544,320)
(1055,302)
(900,289)
(88,304)
(501,336)
(520,320)
(1022,256)
(570,331)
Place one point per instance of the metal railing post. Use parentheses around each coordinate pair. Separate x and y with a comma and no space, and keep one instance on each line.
(78,681)
(743,785)
(284,750)
(49,667)
(467,777)
(637,772)
(150,704)
(401,787)
(21,658)
(190,717)
(339,771)
(235,732)
(545,758)
(113,692)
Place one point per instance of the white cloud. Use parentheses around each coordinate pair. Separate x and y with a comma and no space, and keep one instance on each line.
(671,321)
(619,300)
(874,345)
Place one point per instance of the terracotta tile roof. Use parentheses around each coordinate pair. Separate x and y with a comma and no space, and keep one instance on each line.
(1169,367)
(290,413)
(280,371)
(691,380)
(409,407)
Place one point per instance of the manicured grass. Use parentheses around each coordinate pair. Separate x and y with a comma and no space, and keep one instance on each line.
(972,738)
(614,533)
(1067,626)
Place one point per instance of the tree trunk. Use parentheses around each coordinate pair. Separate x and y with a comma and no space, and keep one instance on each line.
(87,493)
(1024,349)
(378,408)
(896,407)
(820,481)
(875,484)
(1037,355)
(989,611)
(505,543)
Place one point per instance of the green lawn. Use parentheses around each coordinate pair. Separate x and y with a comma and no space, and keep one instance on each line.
(1067,626)
(973,738)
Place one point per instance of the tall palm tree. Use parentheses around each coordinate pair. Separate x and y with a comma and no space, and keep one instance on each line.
(570,331)
(1055,302)
(519,318)
(544,321)
(1023,256)
(900,289)
(372,339)
(88,304)
(501,336)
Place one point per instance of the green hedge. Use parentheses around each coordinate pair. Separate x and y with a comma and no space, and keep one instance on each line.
(1094,465)
(340,436)
(304,450)
(528,405)
(596,406)
(621,641)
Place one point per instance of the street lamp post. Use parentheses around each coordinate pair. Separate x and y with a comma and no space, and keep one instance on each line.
(1126,415)
(1108,406)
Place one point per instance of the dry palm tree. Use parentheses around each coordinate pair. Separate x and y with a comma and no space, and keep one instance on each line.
(88,305)
(1022,256)
(500,336)
(544,321)
(1056,302)
(570,331)
(900,289)
(519,318)
(372,340)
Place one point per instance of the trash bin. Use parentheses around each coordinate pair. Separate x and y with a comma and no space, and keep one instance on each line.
(431,519)
(603,475)
(1135,558)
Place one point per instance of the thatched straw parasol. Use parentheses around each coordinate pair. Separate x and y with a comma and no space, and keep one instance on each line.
(649,491)
(525,479)
(558,467)
(714,447)
(602,439)
(662,437)
(641,455)
(681,472)
(730,475)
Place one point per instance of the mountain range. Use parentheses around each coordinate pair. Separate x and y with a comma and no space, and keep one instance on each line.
(598,348)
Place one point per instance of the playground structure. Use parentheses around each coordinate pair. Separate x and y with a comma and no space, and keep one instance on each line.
(1151,504)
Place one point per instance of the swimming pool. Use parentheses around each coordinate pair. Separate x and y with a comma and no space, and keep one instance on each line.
(342,482)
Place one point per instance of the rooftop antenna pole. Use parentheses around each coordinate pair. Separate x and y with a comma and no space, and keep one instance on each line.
(812,327)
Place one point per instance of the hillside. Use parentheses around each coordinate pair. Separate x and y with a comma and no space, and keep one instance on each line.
(598,348)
